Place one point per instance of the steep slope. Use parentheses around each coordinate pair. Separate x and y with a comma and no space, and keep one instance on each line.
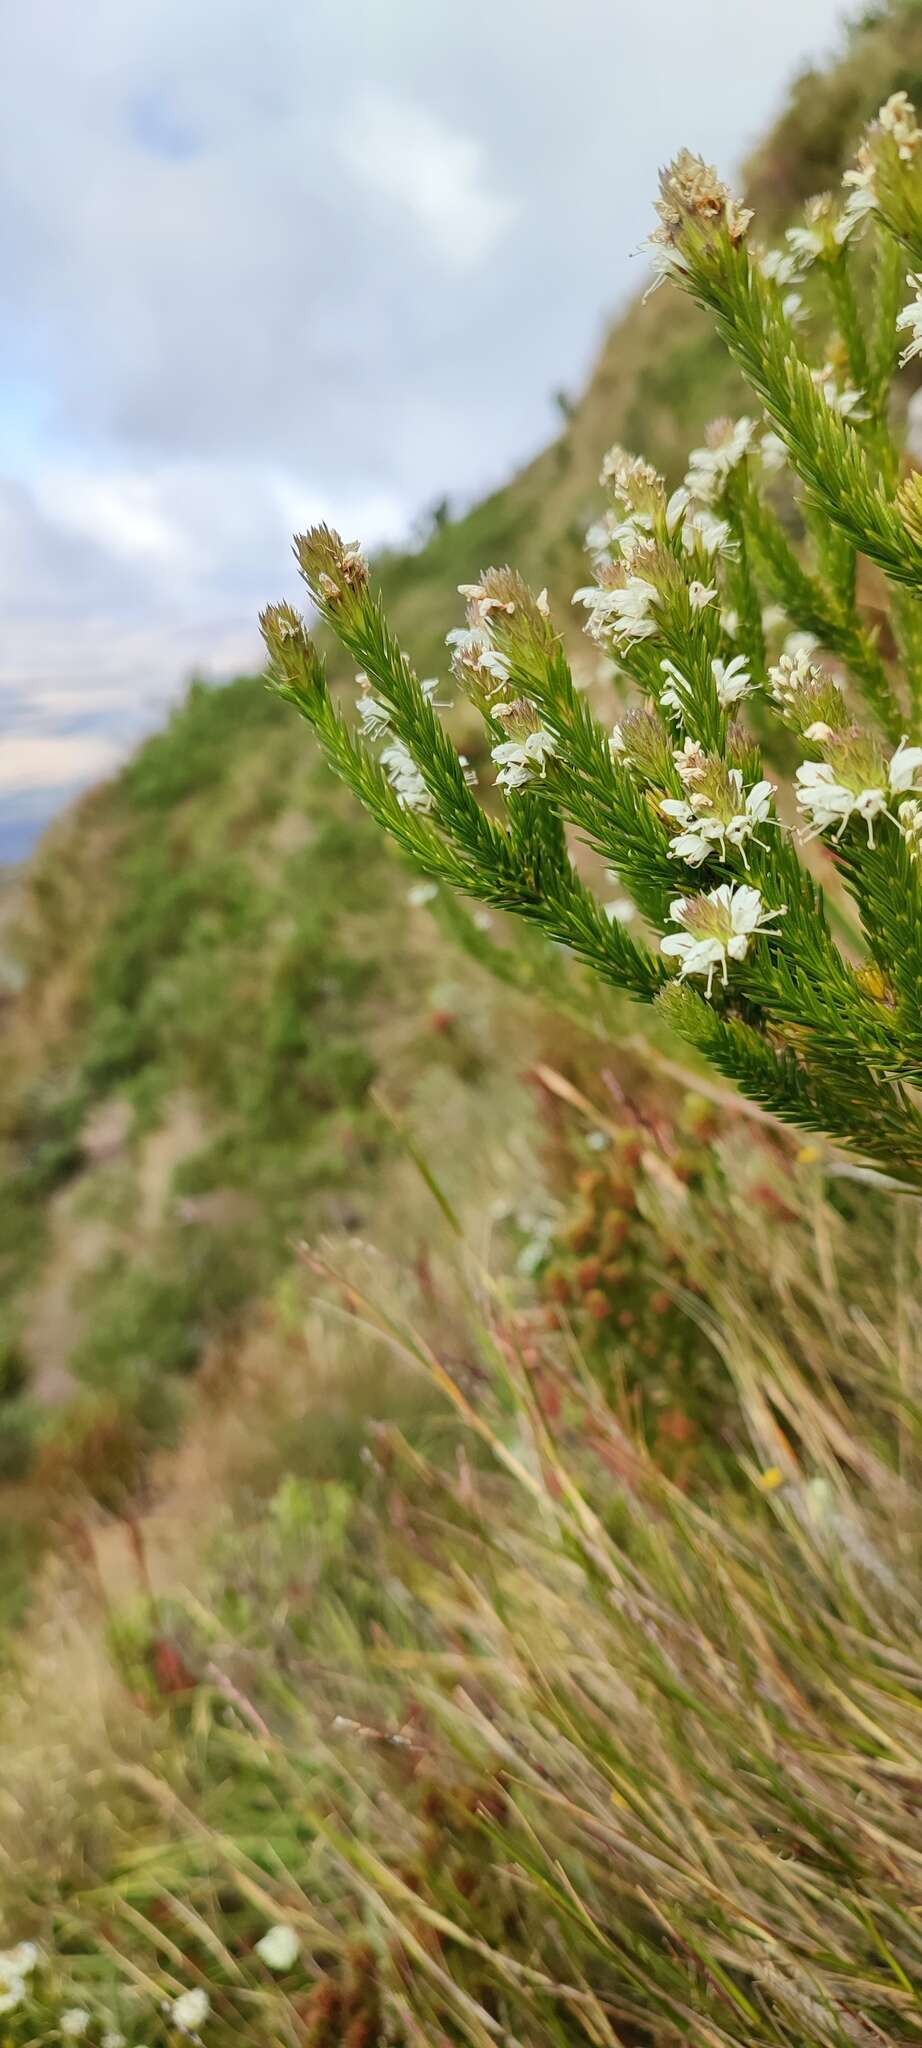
(212,959)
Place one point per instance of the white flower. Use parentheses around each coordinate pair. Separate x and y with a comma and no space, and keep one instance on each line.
(773,452)
(21,1960)
(832,793)
(904,766)
(620,910)
(783,268)
(691,762)
(715,928)
(12,1991)
(732,680)
(74,2022)
(676,508)
(799,643)
(517,760)
(421,893)
(405,778)
(713,534)
(911,318)
(709,467)
(472,646)
(622,612)
(374,715)
(807,243)
(845,399)
(706,824)
(670,697)
(280,1947)
(699,595)
(114,2040)
(830,802)
(190,2010)
(910,823)
(897,117)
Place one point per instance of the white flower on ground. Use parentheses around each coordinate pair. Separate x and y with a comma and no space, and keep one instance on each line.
(732,680)
(405,778)
(715,928)
(620,613)
(519,760)
(700,594)
(911,318)
(280,1947)
(74,2022)
(190,2010)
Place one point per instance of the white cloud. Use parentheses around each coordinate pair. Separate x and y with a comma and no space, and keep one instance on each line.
(440,178)
(325,261)
(60,762)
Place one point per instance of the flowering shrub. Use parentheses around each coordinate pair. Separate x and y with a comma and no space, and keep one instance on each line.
(735,642)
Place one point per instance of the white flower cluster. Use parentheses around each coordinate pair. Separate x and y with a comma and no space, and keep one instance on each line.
(732,681)
(727,441)
(832,793)
(405,778)
(620,613)
(715,929)
(705,824)
(16,1967)
(520,760)
(845,399)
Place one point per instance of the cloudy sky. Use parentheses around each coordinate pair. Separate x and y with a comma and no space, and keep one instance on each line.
(265,260)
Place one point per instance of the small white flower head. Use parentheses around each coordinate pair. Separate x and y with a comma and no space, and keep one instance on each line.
(910,823)
(113,2039)
(280,1947)
(726,443)
(405,778)
(843,398)
(421,893)
(703,529)
(12,1991)
(780,265)
(716,814)
(773,452)
(619,611)
(691,762)
(700,595)
(715,929)
(620,910)
(190,2010)
(73,2022)
(691,195)
(856,780)
(481,603)
(911,318)
(375,715)
(474,658)
(524,756)
(817,236)
(21,1960)
(904,767)
(732,680)
(676,692)
(897,117)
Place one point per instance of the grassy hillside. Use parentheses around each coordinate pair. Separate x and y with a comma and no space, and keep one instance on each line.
(212,965)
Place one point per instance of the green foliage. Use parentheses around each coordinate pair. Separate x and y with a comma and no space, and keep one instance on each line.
(675,796)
